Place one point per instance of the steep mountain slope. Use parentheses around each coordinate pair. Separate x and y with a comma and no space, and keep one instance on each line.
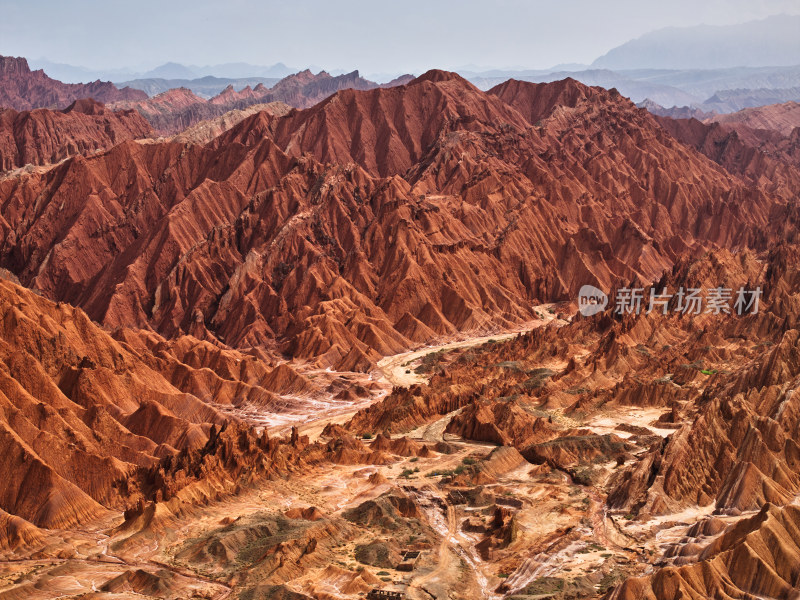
(205,131)
(463,210)
(42,136)
(114,447)
(389,131)
(301,90)
(757,557)
(172,111)
(765,158)
(84,416)
(23,89)
(782,118)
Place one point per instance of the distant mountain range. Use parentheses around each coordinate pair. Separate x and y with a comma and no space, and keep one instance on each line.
(166,105)
(205,87)
(170,70)
(726,89)
(239,70)
(636,90)
(727,101)
(774,41)
(708,68)
(688,66)
(709,90)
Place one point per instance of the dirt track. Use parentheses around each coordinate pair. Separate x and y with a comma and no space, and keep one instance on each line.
(398,371)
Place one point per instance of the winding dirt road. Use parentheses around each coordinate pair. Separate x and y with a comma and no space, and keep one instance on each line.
(397,368)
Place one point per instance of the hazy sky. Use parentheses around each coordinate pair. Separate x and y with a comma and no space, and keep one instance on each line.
(374,36)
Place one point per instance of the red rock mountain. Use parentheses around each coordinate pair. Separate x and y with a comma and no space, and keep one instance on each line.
(84,417)
(23,89)
(782,118)
(755,558)
(421,210)
(726,475)
(763,157)
(305,89)
(205,131)
(43,136)
(173,111)
(165,278)
(301,90)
